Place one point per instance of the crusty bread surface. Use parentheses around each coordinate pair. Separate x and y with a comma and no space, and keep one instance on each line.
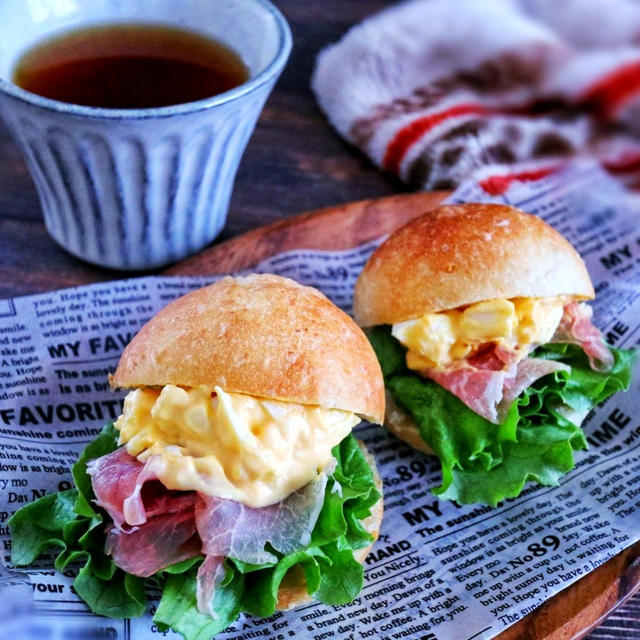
(456,255)
(293,590)
(261,335)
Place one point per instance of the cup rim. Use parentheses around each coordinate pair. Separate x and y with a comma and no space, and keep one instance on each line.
(270,71)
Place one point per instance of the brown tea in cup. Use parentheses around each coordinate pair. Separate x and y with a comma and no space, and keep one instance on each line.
(129,66)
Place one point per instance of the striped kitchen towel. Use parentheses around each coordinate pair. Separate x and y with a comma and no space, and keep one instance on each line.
(437,90)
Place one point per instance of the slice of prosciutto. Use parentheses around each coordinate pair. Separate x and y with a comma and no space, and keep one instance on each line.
(129,492)
(232,529)
(160,542)
(154,527)
(480,389)
(527,372)
(210,574)
(576,328)
(488,392)
(115,477)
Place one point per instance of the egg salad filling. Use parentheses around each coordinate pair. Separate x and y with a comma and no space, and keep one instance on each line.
(230,445)
(436,340)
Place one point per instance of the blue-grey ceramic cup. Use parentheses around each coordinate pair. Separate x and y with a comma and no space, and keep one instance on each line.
(139,188)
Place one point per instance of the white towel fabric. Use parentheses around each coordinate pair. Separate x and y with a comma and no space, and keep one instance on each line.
(433,90)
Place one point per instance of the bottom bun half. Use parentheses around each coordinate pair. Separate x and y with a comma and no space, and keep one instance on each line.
(293,589)
(402,425)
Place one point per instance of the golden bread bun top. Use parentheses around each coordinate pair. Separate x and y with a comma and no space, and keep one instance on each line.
(459,254)
(261,335)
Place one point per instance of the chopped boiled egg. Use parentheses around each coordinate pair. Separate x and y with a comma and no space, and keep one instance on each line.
(437,339)
(230,445)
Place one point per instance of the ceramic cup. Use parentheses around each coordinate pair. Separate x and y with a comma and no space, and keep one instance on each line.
(139,188)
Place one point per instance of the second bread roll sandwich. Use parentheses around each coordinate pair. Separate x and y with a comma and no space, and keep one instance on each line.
(491,361)
(232,478)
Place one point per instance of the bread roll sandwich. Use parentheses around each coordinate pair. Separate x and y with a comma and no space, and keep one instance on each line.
(231,479)
(477,314)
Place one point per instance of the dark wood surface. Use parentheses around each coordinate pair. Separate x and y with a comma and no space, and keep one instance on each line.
(294,163)
(340,227)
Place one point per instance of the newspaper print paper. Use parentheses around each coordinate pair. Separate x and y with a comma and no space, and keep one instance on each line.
(438,570)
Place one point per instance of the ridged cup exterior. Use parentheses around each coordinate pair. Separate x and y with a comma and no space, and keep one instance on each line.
(135,193)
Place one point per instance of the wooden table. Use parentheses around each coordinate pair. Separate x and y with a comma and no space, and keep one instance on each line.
(295,162)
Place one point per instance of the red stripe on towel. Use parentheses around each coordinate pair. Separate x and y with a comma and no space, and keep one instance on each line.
(626,164)
(610,93)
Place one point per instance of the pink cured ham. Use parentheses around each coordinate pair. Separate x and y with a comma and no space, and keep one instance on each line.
(494,357)
(489,381)
(210,574)
(154,527)
(232,529)
(480,389)
(480,379)
(491,393)
(128,491)
(115,477)
(160,542)
(527,372)
(576,328)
